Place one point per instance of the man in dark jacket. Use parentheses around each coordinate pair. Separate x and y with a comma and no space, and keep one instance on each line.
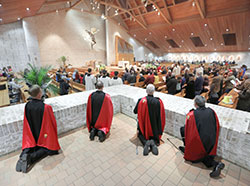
(171,85)
(198,83)
(64,86)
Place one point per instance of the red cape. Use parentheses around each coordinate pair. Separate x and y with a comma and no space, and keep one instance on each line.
(144,120)
(194,149)
(105,117)
(48,134)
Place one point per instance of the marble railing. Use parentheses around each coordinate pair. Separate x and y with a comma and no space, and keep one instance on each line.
(70,113)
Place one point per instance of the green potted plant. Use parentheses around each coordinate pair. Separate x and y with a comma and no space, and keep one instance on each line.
(62,60)
(39,76)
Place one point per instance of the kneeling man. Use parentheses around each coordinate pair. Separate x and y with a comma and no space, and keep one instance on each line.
(99,113)
(200,136)
(151,120)
(39,131)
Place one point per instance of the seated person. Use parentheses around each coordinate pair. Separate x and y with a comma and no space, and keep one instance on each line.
(157,79)
(244,97)
(151,120)
(99,113)
(150,79)
(141,79)
(39,131)
(115,80)
(200,136)
(190,88)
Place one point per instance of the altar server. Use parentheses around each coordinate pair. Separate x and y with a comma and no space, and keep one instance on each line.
(99,113)
(200,136)
(39,131)
(151,120)
(115,80)
(90,80)
(105,79)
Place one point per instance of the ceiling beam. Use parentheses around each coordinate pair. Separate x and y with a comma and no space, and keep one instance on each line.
(166,7)
(202,12)
(76,3)
(162,15)
(125,10)
(138,9)
(57,1)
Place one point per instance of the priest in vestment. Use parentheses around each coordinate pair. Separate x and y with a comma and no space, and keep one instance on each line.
(151,121)
(99,113)
(39,131)
(200,136)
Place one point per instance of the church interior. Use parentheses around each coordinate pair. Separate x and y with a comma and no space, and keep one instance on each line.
(125,92)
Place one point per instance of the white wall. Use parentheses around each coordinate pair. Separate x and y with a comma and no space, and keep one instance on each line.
(239,57)
(63,34)
(140,52)
(13,49)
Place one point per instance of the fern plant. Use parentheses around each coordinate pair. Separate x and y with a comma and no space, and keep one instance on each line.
(38,76)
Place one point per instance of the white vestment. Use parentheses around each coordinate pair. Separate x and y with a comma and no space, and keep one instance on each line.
(90,82)
(117,81)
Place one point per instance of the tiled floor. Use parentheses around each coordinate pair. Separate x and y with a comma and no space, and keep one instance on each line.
(115,162)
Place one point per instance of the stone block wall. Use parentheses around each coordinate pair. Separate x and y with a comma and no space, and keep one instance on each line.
(70,113)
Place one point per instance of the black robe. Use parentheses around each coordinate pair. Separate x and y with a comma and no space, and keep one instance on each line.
(96,105)
(34,110)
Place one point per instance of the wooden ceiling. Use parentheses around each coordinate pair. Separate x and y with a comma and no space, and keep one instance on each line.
(163,25)
(179,20)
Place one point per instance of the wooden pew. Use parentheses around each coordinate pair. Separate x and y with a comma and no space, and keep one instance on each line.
(77,86)
(235,99)
(4,95)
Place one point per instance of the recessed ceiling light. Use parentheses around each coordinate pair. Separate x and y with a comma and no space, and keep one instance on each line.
(248,48)
(211,38)
(215,49)
(146,39)
(221,44)
(205,44)
(173,29)
(180,46)
(0,5)
(169,47)
(56,11)
(166,37)
(159,13)
(27,9)
(227,29)
(193,4)
(18,18)
(205,24)
(1,19)
(192,34)
(134,35)
(81,9)
(150,33)
(68,2)
(182,41)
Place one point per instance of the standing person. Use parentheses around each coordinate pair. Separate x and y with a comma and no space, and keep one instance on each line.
(39,131)
(90,80)
(171,85)
(151,121)
(200,136)
(115,80)
(198,83)
(99,113)
(199,70)
(104,79)
(190,88)
(178,69)
(64,86)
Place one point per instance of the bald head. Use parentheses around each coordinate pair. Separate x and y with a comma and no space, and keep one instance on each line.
(99,85)
(150,89)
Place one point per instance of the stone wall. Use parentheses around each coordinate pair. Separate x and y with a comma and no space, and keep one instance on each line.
(70,113)
(13,49)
